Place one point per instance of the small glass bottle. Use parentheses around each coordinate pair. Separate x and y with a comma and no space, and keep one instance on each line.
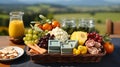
(16,26)
(69,25)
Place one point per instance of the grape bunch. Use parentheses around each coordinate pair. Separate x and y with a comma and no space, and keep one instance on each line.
(43,41)
(31,37)
(95,36)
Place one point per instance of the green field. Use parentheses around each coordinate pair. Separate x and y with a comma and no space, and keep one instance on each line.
(101,27)
(102,17)
(4,16)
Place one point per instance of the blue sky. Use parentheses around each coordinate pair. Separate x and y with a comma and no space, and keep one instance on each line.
(74,2)
(63,2)
(115,1)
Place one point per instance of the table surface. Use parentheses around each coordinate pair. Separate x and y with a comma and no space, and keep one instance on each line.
(4,41)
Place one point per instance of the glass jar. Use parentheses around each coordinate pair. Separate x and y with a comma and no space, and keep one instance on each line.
(16,26)
(69,25)
(91,25)
(83,25)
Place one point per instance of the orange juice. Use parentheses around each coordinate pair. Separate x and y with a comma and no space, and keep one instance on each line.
(16,28)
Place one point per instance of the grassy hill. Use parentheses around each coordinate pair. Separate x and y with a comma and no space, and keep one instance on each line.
(99,13)
(55,8)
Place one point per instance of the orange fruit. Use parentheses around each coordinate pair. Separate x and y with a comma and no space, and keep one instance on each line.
(109,47)
(40,26)
(47,26)
(55,24)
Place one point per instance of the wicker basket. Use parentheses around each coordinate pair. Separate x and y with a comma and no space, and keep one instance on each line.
(65,58)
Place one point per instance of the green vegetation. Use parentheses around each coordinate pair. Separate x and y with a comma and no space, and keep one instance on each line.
(4,16)
(99,13)
(3,31)
(100,18)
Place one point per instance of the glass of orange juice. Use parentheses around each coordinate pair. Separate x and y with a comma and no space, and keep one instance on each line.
(16,25)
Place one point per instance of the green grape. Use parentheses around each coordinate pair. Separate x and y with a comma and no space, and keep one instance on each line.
(36,41)
(30,42)
(26,35)
(33,42)
(26,42)
(35,36)
(30,31)
(29,38)
(30,35)
(35,32)
(25,38)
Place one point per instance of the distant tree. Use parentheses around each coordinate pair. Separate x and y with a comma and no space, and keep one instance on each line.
(92,13)
(0,21)
(99,21)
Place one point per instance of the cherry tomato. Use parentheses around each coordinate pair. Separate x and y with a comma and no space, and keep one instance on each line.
(47,26)
(55,24)
(109,47)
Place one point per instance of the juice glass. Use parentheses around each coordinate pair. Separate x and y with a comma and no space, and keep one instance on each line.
(16,26)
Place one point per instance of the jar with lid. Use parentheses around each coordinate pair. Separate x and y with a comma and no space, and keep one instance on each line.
(69,25)
(16,26)
(91,25)
(83,25)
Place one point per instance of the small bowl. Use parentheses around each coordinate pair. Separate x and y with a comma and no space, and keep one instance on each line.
(16,40)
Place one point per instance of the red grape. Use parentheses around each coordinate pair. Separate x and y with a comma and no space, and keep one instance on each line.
(43,41)
(95,36)
(94,33)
